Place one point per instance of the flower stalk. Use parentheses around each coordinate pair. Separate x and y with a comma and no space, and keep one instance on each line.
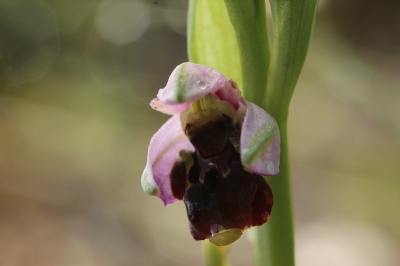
(274,241)
(214,255)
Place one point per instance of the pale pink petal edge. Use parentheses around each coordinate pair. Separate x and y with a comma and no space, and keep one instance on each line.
(198,81)
(169,109)
(163,151)
(260,142)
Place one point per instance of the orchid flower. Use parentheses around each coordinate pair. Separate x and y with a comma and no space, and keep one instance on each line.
(212,154)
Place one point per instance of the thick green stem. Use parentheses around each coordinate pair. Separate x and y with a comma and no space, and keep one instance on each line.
(274,241)
(293,23)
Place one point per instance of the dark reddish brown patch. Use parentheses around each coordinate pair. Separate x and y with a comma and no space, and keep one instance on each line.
(240,200)
(178,175)
(262,204)
(212,137)
(218,192)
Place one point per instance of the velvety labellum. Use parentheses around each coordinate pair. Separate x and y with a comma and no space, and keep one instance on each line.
(222,198)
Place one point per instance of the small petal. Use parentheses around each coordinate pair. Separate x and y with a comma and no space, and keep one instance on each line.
(190,82)
(163,151)
(260,142)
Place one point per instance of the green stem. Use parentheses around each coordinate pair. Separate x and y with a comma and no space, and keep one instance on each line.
(292,30)
(293,26)
(249,21)
(215,256)
(274,241)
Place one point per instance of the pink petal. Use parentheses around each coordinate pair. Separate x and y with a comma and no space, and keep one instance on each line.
(189,82)
(157,105)
(260,142)
(163,151)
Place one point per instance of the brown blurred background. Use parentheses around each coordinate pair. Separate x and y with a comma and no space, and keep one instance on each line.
(76,78)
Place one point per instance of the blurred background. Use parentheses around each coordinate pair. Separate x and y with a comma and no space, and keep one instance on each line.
(76,78)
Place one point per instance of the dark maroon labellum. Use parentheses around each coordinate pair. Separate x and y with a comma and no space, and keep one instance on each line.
(218,192)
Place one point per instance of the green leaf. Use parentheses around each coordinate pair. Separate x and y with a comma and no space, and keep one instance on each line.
(249,20)
(212,40)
